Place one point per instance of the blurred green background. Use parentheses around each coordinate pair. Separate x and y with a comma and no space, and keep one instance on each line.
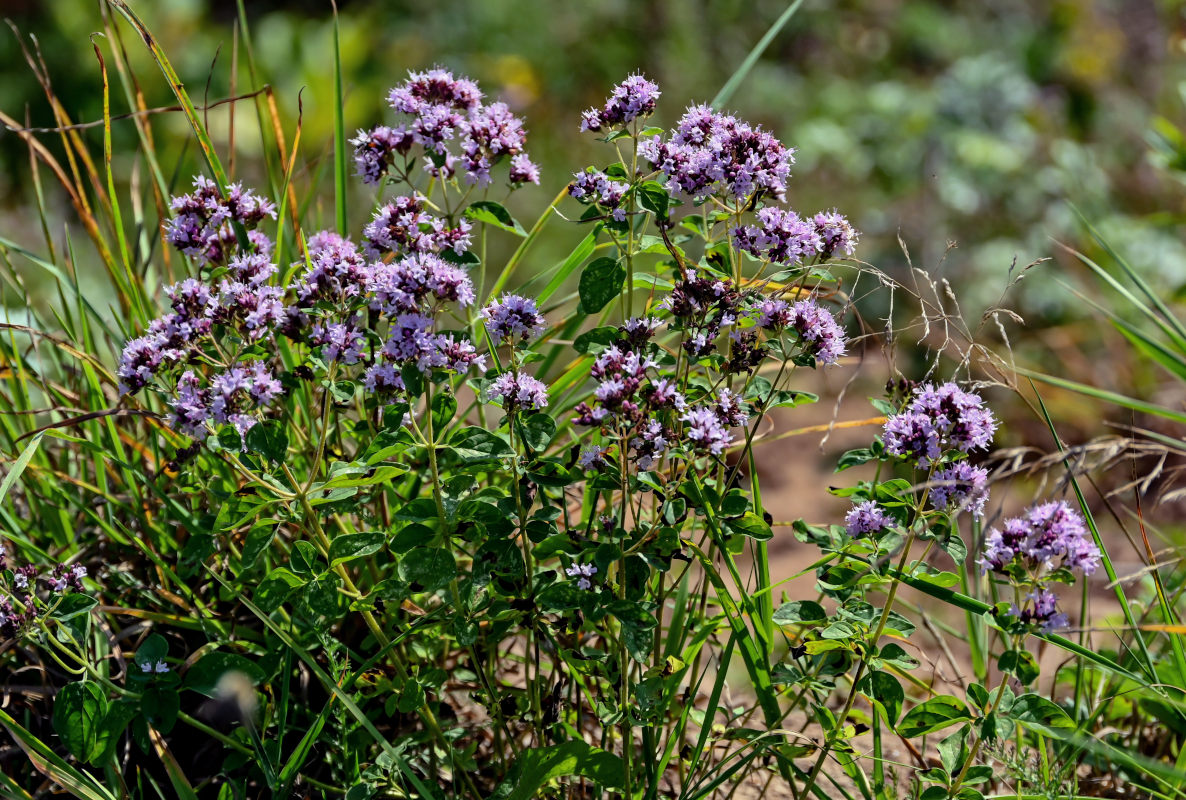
(938,122)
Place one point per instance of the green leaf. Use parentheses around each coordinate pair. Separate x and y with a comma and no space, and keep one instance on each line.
(750,525)
(798,611)
(1020,663)
(474,444)
(854,458)
(152,650)
(115,722)
(269,440)
(537,431)
(74,604)
(632,615)
(444,407)
(259,539)
(952,750)
(342,475)
(275,589)
(791,398)
(160,706)
(537,766)
(888,692)
(601,281)
(893,654)
(387,444)
(323,597)
(645,280)
(599,338)
(349,546)
(653,197)
(228,438)
(203,677)
(412,697)
(428,568)
(935,714)
(560,596)
(1042,716)
(303,559)
(79,709)
(494,214)
(342,391)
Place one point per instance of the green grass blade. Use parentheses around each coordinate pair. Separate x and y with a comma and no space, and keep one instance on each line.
(563,270)
(1178,340)
(166,67)
(736,79)
(19,466)
(1103,394)
(1106,561)
(1135,277)
(340,153)
(49,764)
(1174,362)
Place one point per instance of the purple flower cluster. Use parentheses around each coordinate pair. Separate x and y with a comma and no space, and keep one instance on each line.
(639,330)
(229,397)
(243,301)
(704,306)
(253,308)
(592,456)
(16,617)
(416,282)
(513,318)
(339,341)
(1041,609)
(783,237)
(705,430)
(249,306)
(203,224)
(145,356)
(867,518)
(594,186)
(961,487)
(375,150)
(650,443)
(773,314)
(518,392)
(583,573)
(62,578)
(336,270)
(411,341)
(632,98)
(710,152)
(403,226)
(641,409)
(18,602)
(819,333)
(619,374)
(1046,534)
(939,418)
(444,109)
(836,234)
